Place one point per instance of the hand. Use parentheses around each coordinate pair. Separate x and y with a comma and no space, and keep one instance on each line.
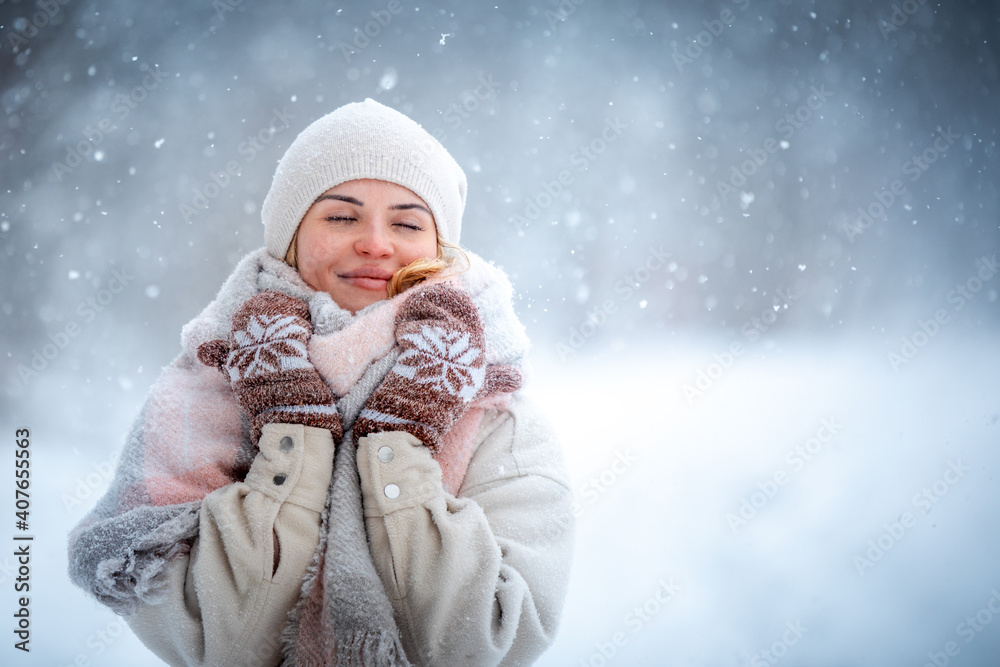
(267,363)
(440,371)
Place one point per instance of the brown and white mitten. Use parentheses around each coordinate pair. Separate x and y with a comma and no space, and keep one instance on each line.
(267,362)
(440,371)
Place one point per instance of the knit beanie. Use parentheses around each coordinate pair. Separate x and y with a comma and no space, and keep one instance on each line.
(362,140)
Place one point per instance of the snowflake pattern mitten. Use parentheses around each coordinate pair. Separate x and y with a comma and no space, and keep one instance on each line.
(439,372)
(267,362)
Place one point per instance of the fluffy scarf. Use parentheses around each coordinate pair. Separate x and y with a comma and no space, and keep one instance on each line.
(190,439)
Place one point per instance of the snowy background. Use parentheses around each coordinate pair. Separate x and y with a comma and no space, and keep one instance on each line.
(753,243)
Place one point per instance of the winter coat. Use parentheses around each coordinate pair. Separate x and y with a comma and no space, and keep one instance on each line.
(474,579)
(476,575)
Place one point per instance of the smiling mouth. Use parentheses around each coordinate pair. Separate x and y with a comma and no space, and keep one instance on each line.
(368,272)
(369,283)
(368,279)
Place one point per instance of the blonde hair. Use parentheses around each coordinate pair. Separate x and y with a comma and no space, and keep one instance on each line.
(413,273)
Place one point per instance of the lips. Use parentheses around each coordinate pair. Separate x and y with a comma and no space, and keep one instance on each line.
(368,278)
(368,272)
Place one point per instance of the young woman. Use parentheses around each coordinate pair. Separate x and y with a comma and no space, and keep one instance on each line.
(338,468)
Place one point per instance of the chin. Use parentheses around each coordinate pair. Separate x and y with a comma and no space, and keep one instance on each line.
(357,303)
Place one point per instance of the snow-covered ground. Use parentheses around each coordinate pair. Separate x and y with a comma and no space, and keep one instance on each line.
(795,577)
(832,450)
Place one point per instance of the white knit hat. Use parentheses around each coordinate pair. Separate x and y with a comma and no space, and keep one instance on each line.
(362,140)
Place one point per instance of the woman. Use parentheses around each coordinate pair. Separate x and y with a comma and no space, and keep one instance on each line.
(361,483)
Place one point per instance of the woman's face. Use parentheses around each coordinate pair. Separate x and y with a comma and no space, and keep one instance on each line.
(357,234)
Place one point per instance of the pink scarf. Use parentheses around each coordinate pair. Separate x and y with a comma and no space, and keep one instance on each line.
(190,439)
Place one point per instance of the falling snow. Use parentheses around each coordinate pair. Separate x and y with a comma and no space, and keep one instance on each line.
(764,214)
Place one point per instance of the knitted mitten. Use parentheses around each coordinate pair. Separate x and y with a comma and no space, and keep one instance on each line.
(440,371)
(267,363)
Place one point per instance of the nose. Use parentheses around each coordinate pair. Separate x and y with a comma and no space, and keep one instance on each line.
(372,240)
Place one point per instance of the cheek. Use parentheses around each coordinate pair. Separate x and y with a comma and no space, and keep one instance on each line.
(314,249)
(427,247)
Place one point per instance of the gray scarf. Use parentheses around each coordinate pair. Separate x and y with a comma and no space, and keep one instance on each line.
(119,552)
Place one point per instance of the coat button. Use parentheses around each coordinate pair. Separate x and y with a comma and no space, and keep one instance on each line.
(286,444)
(385,454)
(279,479)
(391,491)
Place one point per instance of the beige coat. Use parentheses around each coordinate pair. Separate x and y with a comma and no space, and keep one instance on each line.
(478,579)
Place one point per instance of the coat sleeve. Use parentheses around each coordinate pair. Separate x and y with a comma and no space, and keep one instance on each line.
(225,603)
(478,579)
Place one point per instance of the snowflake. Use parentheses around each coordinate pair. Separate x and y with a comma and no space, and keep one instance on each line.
(444,360)
(266,346)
